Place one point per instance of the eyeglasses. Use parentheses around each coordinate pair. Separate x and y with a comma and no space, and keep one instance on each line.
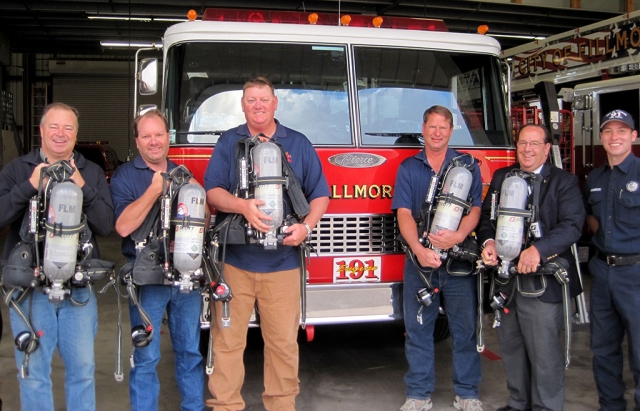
(533,144)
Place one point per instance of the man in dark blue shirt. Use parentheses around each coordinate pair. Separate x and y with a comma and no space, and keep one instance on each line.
(613,214)
(135,188)
(268,279)
(68,327)
(410,191)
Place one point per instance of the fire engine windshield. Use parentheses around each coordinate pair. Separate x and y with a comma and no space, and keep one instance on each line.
(394,86)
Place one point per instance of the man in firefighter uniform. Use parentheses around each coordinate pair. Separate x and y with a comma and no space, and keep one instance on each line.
(135,189)
(64,326)
(613,215)
(530,334)
(411,187)
(267,279)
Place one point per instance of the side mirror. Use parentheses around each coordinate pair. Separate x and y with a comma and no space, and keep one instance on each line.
(148,77)
(143,108)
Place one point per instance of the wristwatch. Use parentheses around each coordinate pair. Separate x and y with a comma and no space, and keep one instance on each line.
(309,230)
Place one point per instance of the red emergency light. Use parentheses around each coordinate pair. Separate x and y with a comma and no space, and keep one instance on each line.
(326,19)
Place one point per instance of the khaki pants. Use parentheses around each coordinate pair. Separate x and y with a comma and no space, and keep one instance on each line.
(277,297)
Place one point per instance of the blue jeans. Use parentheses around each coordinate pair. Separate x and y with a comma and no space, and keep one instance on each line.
(615,303)
(460,296)
(184,328)
(72,330)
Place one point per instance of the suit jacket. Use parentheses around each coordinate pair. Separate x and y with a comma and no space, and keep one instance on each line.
(561,215)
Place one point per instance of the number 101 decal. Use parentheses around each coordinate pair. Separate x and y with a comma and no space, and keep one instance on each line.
(356,270)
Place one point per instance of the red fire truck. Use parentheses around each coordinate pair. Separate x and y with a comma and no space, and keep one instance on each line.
(357,87)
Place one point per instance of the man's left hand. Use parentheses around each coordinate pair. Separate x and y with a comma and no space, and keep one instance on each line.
(529,261)
(444,239)
(76,177)
(297,234)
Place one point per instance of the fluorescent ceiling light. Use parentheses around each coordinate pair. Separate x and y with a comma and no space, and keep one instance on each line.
(143,19)
(169,19)
(516,36)
(125,18)
(136,44)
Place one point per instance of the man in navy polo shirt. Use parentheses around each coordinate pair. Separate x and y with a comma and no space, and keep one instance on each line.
(410,191)
(135,188)
(268,279)
(613,213)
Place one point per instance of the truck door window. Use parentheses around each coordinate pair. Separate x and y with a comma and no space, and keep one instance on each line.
(309,81)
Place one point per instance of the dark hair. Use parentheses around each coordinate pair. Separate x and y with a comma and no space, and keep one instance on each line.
(258,82)
(155,112)
(442,110)
(61,106)
(547,134)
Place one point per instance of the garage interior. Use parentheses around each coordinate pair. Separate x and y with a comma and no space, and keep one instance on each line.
(82,53)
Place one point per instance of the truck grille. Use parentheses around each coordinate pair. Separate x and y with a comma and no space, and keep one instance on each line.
(356,234)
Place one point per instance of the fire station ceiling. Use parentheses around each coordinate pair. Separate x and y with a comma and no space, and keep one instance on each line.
(71,26)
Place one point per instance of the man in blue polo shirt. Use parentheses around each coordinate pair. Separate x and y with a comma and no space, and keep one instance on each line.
(613,213)
(135,188)
(268,279)
(410,191)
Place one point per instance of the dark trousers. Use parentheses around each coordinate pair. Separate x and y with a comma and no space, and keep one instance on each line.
(615,304)
(531,346)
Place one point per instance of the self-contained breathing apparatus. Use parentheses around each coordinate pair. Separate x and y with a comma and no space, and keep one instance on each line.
(169,245)
(264,173)
(449,191)
(517,227)
(171,250)
(55,253)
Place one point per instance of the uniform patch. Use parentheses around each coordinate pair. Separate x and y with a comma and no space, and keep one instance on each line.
(632,186)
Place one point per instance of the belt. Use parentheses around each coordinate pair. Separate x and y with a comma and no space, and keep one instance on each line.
(625,259)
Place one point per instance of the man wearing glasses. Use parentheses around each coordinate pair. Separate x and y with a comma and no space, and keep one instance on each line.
(530,334)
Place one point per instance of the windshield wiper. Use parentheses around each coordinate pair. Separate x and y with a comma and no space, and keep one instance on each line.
(396,134)
(202,133)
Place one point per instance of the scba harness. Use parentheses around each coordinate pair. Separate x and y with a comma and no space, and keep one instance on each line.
(448,199)
(517,219)
(264,173)
(55,251)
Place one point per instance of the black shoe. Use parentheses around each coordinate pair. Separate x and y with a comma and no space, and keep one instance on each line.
(509,408)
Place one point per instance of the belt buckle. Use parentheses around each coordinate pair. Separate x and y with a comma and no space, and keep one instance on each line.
(611,260)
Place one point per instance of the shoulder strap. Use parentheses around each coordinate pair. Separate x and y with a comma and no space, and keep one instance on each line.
(294,189)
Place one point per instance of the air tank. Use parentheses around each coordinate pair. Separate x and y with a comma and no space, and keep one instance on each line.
(188,241)
(448,215)
(267,162)
(510,229)
(61,251)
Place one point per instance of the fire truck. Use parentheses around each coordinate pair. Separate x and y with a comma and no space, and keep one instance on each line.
(357,87)
(595,69)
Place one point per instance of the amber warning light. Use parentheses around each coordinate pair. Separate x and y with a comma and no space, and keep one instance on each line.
(192,15)
(326,19)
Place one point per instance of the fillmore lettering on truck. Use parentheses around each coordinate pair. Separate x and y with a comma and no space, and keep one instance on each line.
(361,191)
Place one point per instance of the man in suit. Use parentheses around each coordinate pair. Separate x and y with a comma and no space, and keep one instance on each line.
(530,334)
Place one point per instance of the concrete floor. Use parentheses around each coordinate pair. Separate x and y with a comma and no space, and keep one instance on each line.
(350,368)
